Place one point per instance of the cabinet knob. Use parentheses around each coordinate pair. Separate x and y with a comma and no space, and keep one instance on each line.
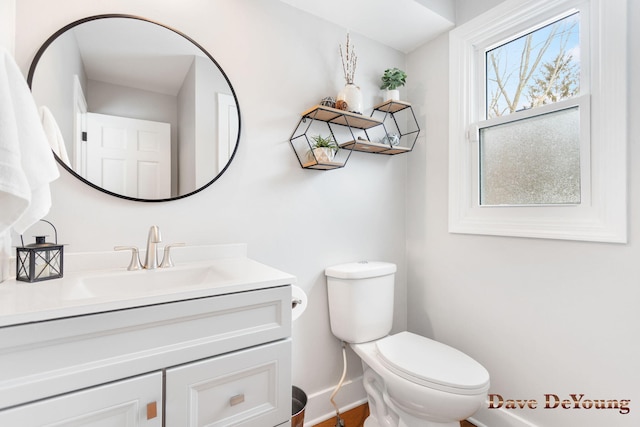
(236,400)
(152,410)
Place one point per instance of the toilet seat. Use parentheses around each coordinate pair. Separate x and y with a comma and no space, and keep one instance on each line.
(432,364)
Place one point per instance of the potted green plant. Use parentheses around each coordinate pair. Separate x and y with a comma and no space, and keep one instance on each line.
(392,79)
(323,149)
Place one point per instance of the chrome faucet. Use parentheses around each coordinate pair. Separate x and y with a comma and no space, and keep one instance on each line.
(151,257)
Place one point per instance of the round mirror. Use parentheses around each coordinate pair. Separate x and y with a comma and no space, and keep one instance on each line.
(135,109)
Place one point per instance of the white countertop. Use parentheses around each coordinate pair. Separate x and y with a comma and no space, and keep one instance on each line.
(207,271)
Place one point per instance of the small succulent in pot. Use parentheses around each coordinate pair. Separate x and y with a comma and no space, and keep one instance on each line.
(319,142)
(392,79)
(323,149)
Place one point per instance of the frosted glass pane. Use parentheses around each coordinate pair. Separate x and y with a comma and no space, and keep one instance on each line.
(532,161)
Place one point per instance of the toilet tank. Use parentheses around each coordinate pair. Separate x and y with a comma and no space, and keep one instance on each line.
(361,300)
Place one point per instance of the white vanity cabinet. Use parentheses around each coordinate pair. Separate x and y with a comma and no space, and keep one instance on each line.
(221,360)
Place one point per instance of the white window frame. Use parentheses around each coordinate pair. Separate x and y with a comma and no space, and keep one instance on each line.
(602,214)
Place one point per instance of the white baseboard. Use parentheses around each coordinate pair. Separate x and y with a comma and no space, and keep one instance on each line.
(352,394)
(498,418)
(319,407)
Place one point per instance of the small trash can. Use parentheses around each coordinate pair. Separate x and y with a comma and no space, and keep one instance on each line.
(298,403)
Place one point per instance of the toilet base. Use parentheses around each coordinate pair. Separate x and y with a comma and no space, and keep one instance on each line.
(383,412)
(371,421)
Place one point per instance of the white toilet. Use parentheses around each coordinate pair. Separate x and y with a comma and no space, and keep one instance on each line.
(410,380)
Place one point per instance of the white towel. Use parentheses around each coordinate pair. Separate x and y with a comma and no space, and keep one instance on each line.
(26,163)
(54,136)
(15,193)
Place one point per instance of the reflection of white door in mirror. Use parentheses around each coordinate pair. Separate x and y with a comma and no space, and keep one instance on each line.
(128,156)
(227,128)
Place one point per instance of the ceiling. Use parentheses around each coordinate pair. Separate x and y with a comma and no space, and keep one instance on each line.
(135,53)
(401,24)
(108,46)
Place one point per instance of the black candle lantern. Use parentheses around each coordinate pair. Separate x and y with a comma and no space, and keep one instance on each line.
(40,260)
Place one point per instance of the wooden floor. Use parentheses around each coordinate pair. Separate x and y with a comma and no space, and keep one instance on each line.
(356,416)
(352,418)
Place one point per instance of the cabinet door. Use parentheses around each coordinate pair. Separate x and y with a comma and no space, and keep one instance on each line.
(127,403)
(248,388)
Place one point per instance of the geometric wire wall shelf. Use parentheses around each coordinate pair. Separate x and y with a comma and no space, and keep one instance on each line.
(391,129)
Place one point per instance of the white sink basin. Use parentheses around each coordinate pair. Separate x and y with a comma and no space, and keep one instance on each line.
(132,283)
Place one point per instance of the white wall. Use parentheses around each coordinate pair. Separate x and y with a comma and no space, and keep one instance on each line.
(281,62)
(7,24)
(543,316)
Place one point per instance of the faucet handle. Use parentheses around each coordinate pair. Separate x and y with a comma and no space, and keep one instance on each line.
(166,257)
(135,259)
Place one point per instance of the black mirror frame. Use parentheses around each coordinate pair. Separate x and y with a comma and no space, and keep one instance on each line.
(67,27)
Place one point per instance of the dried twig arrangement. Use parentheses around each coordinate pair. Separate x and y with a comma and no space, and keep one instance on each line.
(349,61)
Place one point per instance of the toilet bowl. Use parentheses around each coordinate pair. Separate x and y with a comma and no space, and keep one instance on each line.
(410,380)
(421,379)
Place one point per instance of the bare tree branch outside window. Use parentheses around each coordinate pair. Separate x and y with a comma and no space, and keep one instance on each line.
(538,68)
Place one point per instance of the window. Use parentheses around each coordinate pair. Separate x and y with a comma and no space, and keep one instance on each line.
(529,155)
(538,121)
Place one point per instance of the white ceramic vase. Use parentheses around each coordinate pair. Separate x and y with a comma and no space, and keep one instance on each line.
(322,154)
(352,96)
(391,95)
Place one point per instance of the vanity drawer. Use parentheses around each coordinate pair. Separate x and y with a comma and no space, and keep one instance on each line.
(248,388)
(53,357)
(122,403)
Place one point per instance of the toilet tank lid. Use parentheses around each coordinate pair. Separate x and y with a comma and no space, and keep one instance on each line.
(360,270)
